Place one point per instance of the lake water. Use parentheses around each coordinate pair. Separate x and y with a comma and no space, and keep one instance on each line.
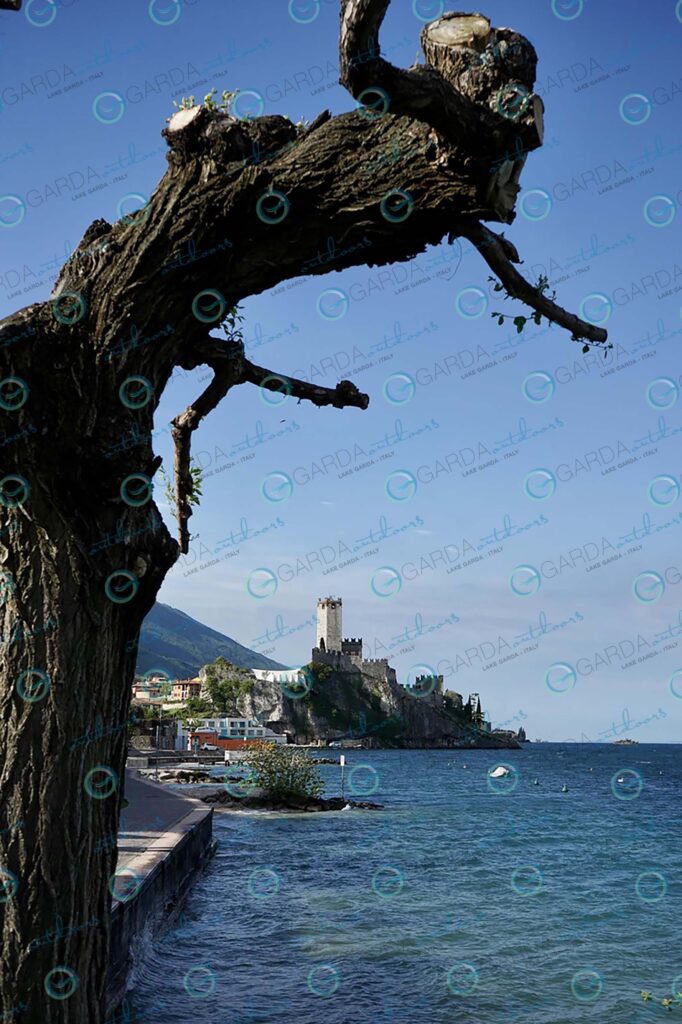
(467,900)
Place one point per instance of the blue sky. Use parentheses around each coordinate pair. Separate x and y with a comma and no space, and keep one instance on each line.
(546,481)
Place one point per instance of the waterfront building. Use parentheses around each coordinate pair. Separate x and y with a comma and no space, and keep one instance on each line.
(213,730)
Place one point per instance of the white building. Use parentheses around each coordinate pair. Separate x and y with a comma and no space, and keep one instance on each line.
(227,729)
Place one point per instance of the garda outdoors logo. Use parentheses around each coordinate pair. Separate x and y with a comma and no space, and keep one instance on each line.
(241,781)
(7,587)
(502,778)
(363,780)
(298,687)
(386,581)
(41,13)
(567,10)
(159,678)
(272,207)
(659,211)
(263,884)
(651,886)
(108,107)
(9,883)
(422,680)
(136,392)
(69,308)
(332,304)
(261,583)
(323,980)
(13,393)
(164,12)
(538,386)
(527,880)
(14,490)
(121,586)
(124,884)
(399,388)
(648,587)
(635,108)
(396,206)
(138,214)
(512,100)
(596,308)
(540,484)
(627,784)
(247,104)
(136,490)
(525,581)
(587,985)
(61,982)
(678,15)
(427,10)
(663,490)
(662,393)
(12,210)
(33,685)
(471,303)
(401,485)
(535,204)
(387,881)
(675,684)
(208,306)
(373,103)
(277,487)
(274,390)
(304,11)
(462,979)
(100,782)
(199,982)
(560,677)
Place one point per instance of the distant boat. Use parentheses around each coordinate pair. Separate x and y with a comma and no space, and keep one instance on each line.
(627,743)
(564,788)
(498,772)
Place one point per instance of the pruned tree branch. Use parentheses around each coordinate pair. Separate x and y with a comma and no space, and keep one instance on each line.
(10,5)
(344,394)
(500,254)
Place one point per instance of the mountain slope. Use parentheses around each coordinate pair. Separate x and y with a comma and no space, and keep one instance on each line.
(178,644)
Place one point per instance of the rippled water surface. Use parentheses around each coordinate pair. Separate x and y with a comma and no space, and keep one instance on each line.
(466,900)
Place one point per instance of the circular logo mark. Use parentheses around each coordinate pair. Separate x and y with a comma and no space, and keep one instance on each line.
(373,103)
(675,684)
(535,204)
(136,489)
(596,308)
(540,484)
(61,982)
(332,304)
(422,680)
(33,685)
(396,206)
(323,980)
(502,778)
(662,393)
(512,100)
(124,884)
(297,688)
(9,883)
(525,580)
(386,581)
(199,982)
(471,303)
(527,880)
(401,485)
(136,392)
(586,985)
(7,587)
(659,211)
(560,677)
(247,105)
(261,583)
(12,210)
(41,13)
(272,207)
(387,882)
(635,108)
(164,12)
(240,782)
(14,490)
(263,884)
(108,107)
(139,214)
(400,388)
(363,780)
(277,393)
(538,386)
(69,308)
(648,587)
(462,979)
(13,393)
(157,679)
(567,10)
(663,490)
(277,487)
(651,886)
(304,11)
(626,784)
(121,586)
(427,10)
(100,782)
(208,306)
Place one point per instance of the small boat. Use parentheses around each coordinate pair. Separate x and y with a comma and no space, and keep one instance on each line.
(535,782)
(564,788)
(498,772)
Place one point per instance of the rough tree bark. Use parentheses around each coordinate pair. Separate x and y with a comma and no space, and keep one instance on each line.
(242,206)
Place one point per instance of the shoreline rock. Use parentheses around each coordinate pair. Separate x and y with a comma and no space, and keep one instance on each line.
(286,803)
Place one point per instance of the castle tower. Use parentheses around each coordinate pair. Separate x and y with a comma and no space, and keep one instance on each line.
(329,623)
